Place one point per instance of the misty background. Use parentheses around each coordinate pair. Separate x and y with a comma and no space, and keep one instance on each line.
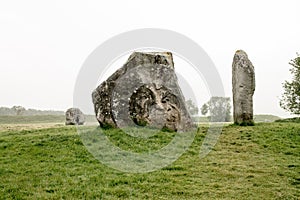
(44,44)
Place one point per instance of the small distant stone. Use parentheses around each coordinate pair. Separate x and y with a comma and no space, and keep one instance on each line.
(74,116)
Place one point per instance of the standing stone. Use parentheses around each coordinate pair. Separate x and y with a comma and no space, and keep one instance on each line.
(144,92)
(243,86)
(74,116)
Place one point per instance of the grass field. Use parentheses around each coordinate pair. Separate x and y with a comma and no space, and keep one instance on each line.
(37,119)
(50,162)
(294,120)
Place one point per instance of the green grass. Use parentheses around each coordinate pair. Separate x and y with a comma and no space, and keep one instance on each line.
(257,118)
(33,119)
(294,120)
(257,162)
(265,118)
(10,119)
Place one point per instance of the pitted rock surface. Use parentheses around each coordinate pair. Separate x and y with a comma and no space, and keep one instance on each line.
(243,87)
(144,92)
(74,116)
(158,106)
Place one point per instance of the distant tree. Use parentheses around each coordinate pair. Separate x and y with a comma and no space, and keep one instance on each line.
(19,110)
(219,109)
(6,111)
(290,100)
(192,108)
(204,109)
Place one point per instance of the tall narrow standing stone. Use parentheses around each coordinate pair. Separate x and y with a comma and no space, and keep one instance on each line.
(243,87)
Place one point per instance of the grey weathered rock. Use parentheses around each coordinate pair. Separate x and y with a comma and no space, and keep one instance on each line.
(143,92)
(74,116)
(243,87)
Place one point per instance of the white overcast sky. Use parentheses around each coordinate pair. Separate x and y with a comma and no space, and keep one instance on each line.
(43,44)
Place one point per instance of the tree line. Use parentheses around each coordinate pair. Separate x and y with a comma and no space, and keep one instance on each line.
(218,109)
(21,111)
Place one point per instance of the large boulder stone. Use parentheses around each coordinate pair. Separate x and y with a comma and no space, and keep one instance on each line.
(74,116)
(243,87)
(144,92)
